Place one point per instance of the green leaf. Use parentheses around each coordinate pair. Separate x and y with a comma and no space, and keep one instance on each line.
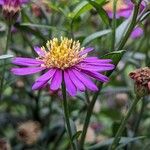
(30,30)
(7,56)
(102,13)
(53,6)
(42,26)
(95,36)
(115,56)
(124,141)
(80,8)
(145,16)
(76,135)
(121,30)
(74,131)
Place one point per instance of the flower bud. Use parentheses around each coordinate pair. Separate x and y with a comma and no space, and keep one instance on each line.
(142,81)
(11,10)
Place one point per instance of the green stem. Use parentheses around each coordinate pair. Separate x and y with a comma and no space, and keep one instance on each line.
(114,25)
(139,118)
(123,124)
(136,127)
(66,113)
(37,107)
(131,26)
(5,52)
(87,97)
(58,139)
(8,39)
(87,118)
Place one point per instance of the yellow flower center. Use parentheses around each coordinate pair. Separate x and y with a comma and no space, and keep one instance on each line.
(62,53)
(120,5)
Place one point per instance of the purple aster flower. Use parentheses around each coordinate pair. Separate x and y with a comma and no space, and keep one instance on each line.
(65,57)
(11,9)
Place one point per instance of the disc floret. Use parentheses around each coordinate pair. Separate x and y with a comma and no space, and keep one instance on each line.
(63,53)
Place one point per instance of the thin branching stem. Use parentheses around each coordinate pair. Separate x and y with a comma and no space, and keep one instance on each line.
(114,25)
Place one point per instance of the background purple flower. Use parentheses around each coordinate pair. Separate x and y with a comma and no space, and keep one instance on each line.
(137,32)
(124,9)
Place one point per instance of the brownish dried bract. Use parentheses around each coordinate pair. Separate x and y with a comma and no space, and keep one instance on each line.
(29,132)
(4,145)
(142,80)
(11,13)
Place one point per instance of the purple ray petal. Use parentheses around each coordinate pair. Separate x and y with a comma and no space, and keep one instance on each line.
(100,68)
(56,80)
(26,61)
(87,50)
(80,86)
(39,51)
(85,80)
(96,60)
(71,89)
(98,64)
(46,76)
(96,75)
(26,71)
(39,85)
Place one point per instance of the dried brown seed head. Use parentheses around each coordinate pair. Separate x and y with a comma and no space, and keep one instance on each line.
(141,78)
(29,132)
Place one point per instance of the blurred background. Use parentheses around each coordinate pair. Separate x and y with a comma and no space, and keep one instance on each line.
(33,120)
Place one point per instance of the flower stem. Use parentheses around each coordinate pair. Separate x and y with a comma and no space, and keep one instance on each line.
(5,52)
(66,113)
(8,39)
(87,118)
(114,25)
(139,118)
(123,124)
(131,26)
